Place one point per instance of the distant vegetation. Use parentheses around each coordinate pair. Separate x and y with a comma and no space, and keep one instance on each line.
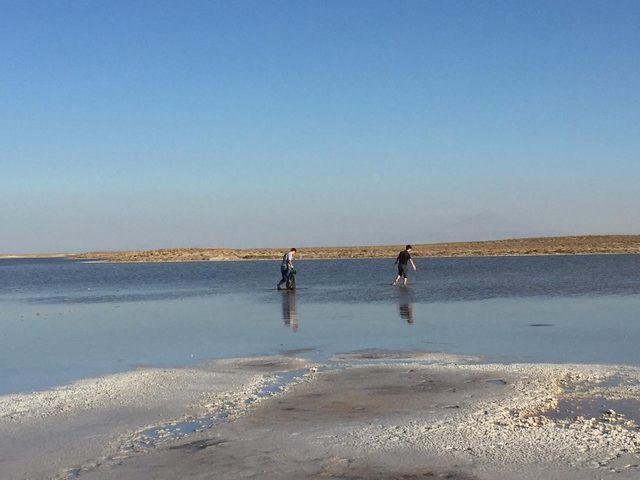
(589,244)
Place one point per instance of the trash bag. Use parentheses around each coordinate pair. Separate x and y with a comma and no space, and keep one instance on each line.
(291,280)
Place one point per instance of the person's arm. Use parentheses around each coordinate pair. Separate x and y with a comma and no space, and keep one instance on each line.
(397,260)
(413,264)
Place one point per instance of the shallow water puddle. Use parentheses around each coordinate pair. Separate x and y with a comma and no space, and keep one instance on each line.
(497,381)
(598,407)
(150,437)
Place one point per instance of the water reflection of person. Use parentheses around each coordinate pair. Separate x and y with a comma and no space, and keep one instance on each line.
(405,306)
(406,311)
(289,309)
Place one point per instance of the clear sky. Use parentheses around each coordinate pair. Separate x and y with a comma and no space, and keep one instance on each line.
(136,124)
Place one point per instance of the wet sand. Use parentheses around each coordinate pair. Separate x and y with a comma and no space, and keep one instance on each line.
(386,417)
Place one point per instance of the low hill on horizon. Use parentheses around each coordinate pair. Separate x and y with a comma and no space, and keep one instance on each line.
(569,245)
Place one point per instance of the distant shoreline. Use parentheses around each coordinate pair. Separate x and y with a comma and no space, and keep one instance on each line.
(514,255)
(11,256)
(573,245)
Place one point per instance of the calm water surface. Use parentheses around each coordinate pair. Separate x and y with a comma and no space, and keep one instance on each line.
(61,320)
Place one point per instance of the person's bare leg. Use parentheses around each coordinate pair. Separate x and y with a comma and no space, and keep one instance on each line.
(396,280)
(404,282)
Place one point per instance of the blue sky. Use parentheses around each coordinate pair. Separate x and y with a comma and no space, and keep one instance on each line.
(129,124)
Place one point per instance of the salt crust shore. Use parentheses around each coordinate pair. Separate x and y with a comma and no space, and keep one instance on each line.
(44,434)
(414,418)
(510,437)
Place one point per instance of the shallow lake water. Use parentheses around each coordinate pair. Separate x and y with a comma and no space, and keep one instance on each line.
(61,320)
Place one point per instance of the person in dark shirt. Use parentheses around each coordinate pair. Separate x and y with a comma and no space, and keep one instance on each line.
(403,260)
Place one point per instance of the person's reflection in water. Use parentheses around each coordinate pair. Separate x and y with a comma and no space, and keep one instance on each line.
(289,309)
(405,306)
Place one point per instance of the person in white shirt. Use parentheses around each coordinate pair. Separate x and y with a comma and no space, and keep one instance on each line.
(287,266)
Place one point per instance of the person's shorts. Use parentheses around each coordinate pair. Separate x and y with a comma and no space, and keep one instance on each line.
(402,270)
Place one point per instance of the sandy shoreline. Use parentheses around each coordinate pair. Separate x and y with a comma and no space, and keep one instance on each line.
(272,258)
(589,244)
(356,416)
(570,245)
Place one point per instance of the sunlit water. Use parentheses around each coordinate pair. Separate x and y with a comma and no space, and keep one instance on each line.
(62,320)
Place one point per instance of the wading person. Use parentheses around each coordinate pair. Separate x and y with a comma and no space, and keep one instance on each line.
(286,267)
(403,260)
